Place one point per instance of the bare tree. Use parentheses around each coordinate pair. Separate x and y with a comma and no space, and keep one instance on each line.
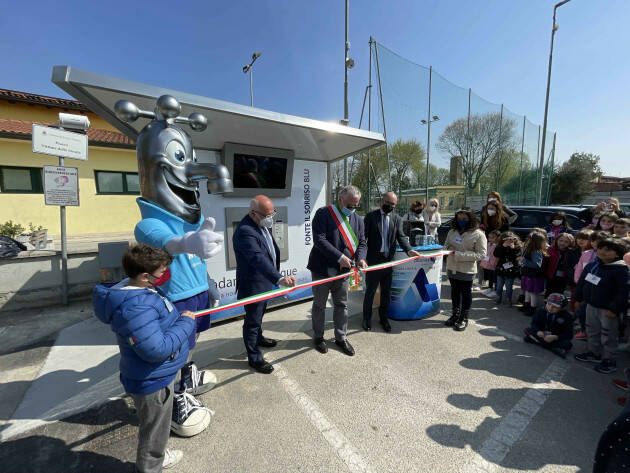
(479,145)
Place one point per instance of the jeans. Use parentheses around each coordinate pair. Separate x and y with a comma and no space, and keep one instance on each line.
(461,293)
(509,282)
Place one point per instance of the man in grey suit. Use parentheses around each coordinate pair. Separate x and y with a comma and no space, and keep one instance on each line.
(383,229)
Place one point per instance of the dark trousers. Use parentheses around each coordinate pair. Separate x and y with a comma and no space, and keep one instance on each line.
(372,281)
(566,344)
(555,284)
(154,416)
(252,329)
(461,293)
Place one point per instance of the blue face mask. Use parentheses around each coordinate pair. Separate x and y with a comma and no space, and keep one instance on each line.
(346,211)
(462,223)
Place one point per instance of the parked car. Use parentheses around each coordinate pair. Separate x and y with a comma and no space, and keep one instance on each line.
(528,218)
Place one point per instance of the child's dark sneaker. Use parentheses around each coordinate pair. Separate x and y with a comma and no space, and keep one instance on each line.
(588,357)
(620,383)
(606,366)
(195,381)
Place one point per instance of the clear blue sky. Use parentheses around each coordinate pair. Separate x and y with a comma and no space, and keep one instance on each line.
(499,48)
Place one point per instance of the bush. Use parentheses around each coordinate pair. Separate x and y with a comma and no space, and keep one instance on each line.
(11,229)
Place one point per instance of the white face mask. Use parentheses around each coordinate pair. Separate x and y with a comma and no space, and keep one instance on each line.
(491,212)
(267,221)
(433,208)
(557,223)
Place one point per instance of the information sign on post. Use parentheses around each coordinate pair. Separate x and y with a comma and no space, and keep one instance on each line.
(61,185)
(57,142)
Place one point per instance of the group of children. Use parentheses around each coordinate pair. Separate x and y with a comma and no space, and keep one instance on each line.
(551,261)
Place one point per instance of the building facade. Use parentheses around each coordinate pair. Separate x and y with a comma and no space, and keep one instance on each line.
(108,180)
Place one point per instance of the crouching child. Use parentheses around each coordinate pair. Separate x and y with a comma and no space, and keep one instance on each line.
(552,326)
(153,341)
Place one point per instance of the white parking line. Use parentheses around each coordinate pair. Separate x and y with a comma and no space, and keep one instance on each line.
(329,431)
(512,426)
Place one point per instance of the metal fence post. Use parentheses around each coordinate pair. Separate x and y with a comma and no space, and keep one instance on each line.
(380,94)
(369,164)
(497,183)
(538,169)
(553,155)
(520,178)
(468,146)
(426,192)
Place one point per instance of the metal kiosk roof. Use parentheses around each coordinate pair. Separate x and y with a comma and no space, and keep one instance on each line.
(227,122)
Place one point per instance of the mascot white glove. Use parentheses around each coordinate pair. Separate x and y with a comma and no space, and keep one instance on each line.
(204,243)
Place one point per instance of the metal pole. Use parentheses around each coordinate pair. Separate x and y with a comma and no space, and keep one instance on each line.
(64,248)
(554,27)
(345,94)
(498,176)
(520,178)
(469,146)
(251,88)
(426,191)
(537,158)
(369,121)
(553,155)
(380,93)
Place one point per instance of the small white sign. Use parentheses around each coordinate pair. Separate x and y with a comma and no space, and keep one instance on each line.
(61,185)
(66,144)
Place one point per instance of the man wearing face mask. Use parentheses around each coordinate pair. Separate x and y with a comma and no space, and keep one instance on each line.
(383,229)
(257,270)
(338,242)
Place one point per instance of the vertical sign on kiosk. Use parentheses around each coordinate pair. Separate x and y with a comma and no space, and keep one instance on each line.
(61,184)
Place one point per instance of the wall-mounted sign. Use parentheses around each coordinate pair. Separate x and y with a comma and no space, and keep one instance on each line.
(61,185)
(65,144)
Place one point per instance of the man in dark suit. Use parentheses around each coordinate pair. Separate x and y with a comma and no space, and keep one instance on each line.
(338,241)
(383,229)
(257,270)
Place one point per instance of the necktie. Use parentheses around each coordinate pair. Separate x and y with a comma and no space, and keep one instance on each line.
(385,246)
(270,244)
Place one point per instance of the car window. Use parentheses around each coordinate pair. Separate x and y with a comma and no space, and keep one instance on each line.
(576,223)
(530,218)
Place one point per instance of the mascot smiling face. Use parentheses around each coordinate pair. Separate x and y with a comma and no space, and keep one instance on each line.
(168,168)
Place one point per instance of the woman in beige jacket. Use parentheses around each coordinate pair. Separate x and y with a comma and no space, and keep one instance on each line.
(469,246)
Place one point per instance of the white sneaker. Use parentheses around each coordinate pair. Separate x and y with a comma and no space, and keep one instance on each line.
(190,417)
(171,458)
(490,293)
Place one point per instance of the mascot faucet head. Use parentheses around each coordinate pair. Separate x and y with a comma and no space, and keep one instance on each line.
(167,165)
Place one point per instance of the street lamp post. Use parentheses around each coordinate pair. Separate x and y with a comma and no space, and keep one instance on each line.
(434,118)
(554,28)
(248,68)
(348,63)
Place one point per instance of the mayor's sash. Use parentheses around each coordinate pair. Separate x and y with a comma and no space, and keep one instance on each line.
(344,228)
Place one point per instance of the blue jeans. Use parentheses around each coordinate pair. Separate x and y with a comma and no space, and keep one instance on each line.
(509,282)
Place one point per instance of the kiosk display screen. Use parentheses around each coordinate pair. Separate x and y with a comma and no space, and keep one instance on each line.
(259,172)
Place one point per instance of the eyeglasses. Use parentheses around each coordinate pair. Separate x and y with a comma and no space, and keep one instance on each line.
(272,214)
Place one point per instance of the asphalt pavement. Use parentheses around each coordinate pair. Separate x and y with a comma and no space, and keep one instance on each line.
(423,398)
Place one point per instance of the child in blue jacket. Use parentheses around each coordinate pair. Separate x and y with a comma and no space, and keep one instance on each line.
(552,326)
(153,341)
(603,287)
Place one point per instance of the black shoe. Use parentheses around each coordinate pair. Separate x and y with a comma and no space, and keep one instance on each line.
(320,345)
(462,322)
(606,366)
(267,342)
(367,326)
(453,318)
(386,325)
(261,366)
(588,357)
(525,307)
(345,347)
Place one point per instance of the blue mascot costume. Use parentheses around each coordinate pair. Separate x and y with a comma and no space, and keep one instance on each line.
(171,219)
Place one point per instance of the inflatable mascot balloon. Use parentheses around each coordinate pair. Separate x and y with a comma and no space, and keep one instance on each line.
(172,219)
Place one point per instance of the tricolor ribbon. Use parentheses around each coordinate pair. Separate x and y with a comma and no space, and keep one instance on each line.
(263,296)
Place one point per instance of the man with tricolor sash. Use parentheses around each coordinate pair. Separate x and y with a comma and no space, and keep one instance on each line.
(338,244)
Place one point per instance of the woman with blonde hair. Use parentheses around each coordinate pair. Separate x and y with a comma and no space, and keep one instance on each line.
(432,218)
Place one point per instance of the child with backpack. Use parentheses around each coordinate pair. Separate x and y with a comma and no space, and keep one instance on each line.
(603,288)
(507,252)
